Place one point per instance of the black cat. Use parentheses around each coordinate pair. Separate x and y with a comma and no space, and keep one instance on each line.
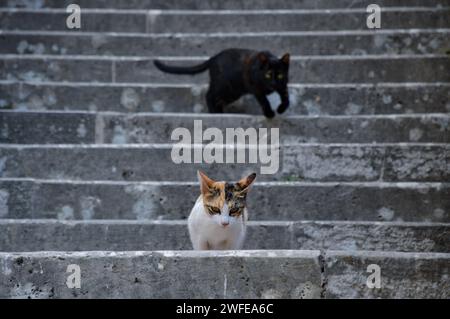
(235,72)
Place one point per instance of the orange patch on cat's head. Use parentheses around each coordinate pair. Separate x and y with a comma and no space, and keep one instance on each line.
(245,182)
(215,193)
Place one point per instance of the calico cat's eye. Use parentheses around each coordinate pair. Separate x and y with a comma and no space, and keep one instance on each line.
(280,76)
(213,210)
(235,211)
(268,74)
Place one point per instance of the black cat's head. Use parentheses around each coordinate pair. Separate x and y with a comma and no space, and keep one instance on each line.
(274,72)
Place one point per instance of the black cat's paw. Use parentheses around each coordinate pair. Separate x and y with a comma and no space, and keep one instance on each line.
(282,108)
(269,114)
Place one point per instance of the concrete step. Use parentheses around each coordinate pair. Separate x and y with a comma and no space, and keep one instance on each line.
(311,69)
(182,21)
(309,162)
(403,274)
(68,200)
(220,5)
(405,41)
(103,128)
(257,274)
(306,99)
(52,235)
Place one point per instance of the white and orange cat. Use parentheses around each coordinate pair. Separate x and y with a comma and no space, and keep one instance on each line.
(218,218)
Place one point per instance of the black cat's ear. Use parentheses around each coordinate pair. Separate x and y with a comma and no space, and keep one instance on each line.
(262,57)
(286,58)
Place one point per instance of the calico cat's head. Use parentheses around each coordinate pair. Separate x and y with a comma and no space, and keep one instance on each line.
(224,202)
(274,72)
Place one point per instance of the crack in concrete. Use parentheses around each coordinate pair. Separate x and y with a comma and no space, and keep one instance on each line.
(323,275)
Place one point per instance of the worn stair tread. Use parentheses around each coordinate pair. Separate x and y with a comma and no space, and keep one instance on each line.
(69,127)
(375,201)
(38,235)
(217,5)
(309,69)
(258,274)
(157,21)
(348,42)
(395,162)
(306,99)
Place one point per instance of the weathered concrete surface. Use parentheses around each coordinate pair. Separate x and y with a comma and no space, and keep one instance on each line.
(356,236)
(258,274)
(312,69)
(68,200)
(56,70)
(318,70)
(403,275)
(153,162)
(421,41)
(37,128)
(164,274)
(312,99)
(104,128)
(219,5)
(216,21)
(402,162)
(51,235)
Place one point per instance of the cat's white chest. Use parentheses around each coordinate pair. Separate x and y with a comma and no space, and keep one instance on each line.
(207,234)
(274,100)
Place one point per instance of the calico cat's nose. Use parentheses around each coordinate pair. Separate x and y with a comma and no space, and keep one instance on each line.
(225,223)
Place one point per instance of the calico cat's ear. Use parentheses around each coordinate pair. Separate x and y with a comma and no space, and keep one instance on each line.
(245,182)
(205,182)
(262,57)
(286,58)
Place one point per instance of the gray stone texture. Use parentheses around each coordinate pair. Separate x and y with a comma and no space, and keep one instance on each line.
(86,175)
(83,200)
(165,274)
(33,235)
(303,162)
(241,21)
(314,100)
(85,128)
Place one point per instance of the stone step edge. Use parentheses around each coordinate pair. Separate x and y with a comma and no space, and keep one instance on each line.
(169,146)
(263,223)
(294,253)
(226,34)
(165,58)
(153,12)
(132,115)
(234,4)
(193,85)
(324,274)
(402,185)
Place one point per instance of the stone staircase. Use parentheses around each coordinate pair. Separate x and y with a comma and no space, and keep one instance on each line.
(86,176)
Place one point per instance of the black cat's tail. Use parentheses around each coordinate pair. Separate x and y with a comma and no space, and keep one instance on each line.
(182,69)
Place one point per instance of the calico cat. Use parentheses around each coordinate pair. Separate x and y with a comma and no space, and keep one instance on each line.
(218,218)
(236,72)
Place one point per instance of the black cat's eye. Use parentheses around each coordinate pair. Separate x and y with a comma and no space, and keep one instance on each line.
(280,76)
(269,75)
(213,210)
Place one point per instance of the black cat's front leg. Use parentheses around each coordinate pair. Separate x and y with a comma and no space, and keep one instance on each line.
(215,104)
(265,104)
(284,96)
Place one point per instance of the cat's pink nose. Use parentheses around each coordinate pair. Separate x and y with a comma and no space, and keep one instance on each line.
(225,224)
